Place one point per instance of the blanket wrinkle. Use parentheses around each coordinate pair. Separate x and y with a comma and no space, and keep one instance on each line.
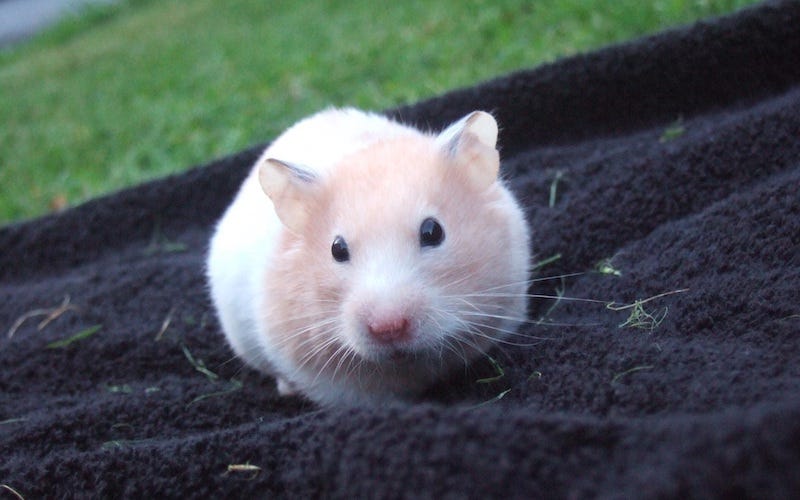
(664,171)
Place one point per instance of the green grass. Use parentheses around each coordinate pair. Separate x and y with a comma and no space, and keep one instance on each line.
(138,90)
(83,334)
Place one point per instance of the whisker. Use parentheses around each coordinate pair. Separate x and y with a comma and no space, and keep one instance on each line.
(330,358)
(495,316)
(322,315)
(313,339)
(495,340)
(341,362)
(537,296)
(463,343)
(527,321)
(311,354)
(462,278)
(468,342)
(514,332)
(355,362)
(314,326)
(532,281)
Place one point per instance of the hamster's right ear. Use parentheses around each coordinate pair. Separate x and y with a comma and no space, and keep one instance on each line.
(290,188)
(472,142)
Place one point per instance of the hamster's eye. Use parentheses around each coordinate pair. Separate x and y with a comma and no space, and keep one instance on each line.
(339,250)
(431,233)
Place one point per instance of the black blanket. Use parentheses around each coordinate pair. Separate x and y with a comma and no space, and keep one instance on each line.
(665,169)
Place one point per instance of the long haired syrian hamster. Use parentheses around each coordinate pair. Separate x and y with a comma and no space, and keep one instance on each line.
(363,259)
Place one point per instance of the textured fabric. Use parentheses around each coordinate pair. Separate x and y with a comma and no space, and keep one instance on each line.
(677,157)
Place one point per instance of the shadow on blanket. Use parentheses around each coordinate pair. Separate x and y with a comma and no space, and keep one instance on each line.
(675,159)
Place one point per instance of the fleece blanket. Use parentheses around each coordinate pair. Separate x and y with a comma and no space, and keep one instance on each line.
(661,179)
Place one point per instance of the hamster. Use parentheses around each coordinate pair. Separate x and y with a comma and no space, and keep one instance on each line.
(363,259)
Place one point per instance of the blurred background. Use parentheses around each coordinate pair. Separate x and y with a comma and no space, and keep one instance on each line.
(111,93)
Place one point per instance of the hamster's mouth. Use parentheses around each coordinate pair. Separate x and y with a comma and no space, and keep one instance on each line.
(391,356)
(399,356)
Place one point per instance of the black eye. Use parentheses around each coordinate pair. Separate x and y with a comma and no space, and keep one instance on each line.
(431,233)
(339,250)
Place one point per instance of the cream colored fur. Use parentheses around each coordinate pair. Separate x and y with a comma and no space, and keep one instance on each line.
(289,309)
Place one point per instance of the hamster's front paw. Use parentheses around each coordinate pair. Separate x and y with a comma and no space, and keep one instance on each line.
(286,388)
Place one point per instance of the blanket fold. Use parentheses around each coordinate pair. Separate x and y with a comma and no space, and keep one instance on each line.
(661,180)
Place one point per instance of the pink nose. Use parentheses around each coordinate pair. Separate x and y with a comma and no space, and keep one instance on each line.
(389,330)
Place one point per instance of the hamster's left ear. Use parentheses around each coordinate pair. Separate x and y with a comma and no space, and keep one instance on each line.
(471,142)
(290,187)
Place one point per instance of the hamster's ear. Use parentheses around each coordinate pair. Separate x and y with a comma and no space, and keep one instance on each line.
(290,188)
(471,142)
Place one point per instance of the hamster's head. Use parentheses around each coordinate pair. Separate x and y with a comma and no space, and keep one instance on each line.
(414,253)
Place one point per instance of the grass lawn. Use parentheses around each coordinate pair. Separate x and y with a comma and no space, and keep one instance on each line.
(121,94)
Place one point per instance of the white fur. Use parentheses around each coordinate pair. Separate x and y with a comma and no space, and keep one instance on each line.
(386,279)
(246,236)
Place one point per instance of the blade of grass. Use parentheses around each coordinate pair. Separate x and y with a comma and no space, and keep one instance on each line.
(614,307)
(673,131)
(493,400)
(62,143)
(632,370)
(500,373)
(13,420)
(554,188)
(199,365)
(51,314)
(12,491)
(546,262)
(235,385)
(83,334)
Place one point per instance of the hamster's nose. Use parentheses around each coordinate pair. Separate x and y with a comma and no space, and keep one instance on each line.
(389,330)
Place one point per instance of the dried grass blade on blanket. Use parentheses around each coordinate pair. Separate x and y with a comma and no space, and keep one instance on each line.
(704,403)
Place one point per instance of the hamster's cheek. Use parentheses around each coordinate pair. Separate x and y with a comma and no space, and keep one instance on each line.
(353,332)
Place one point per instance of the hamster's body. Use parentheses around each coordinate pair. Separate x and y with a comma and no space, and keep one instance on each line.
(363,259)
